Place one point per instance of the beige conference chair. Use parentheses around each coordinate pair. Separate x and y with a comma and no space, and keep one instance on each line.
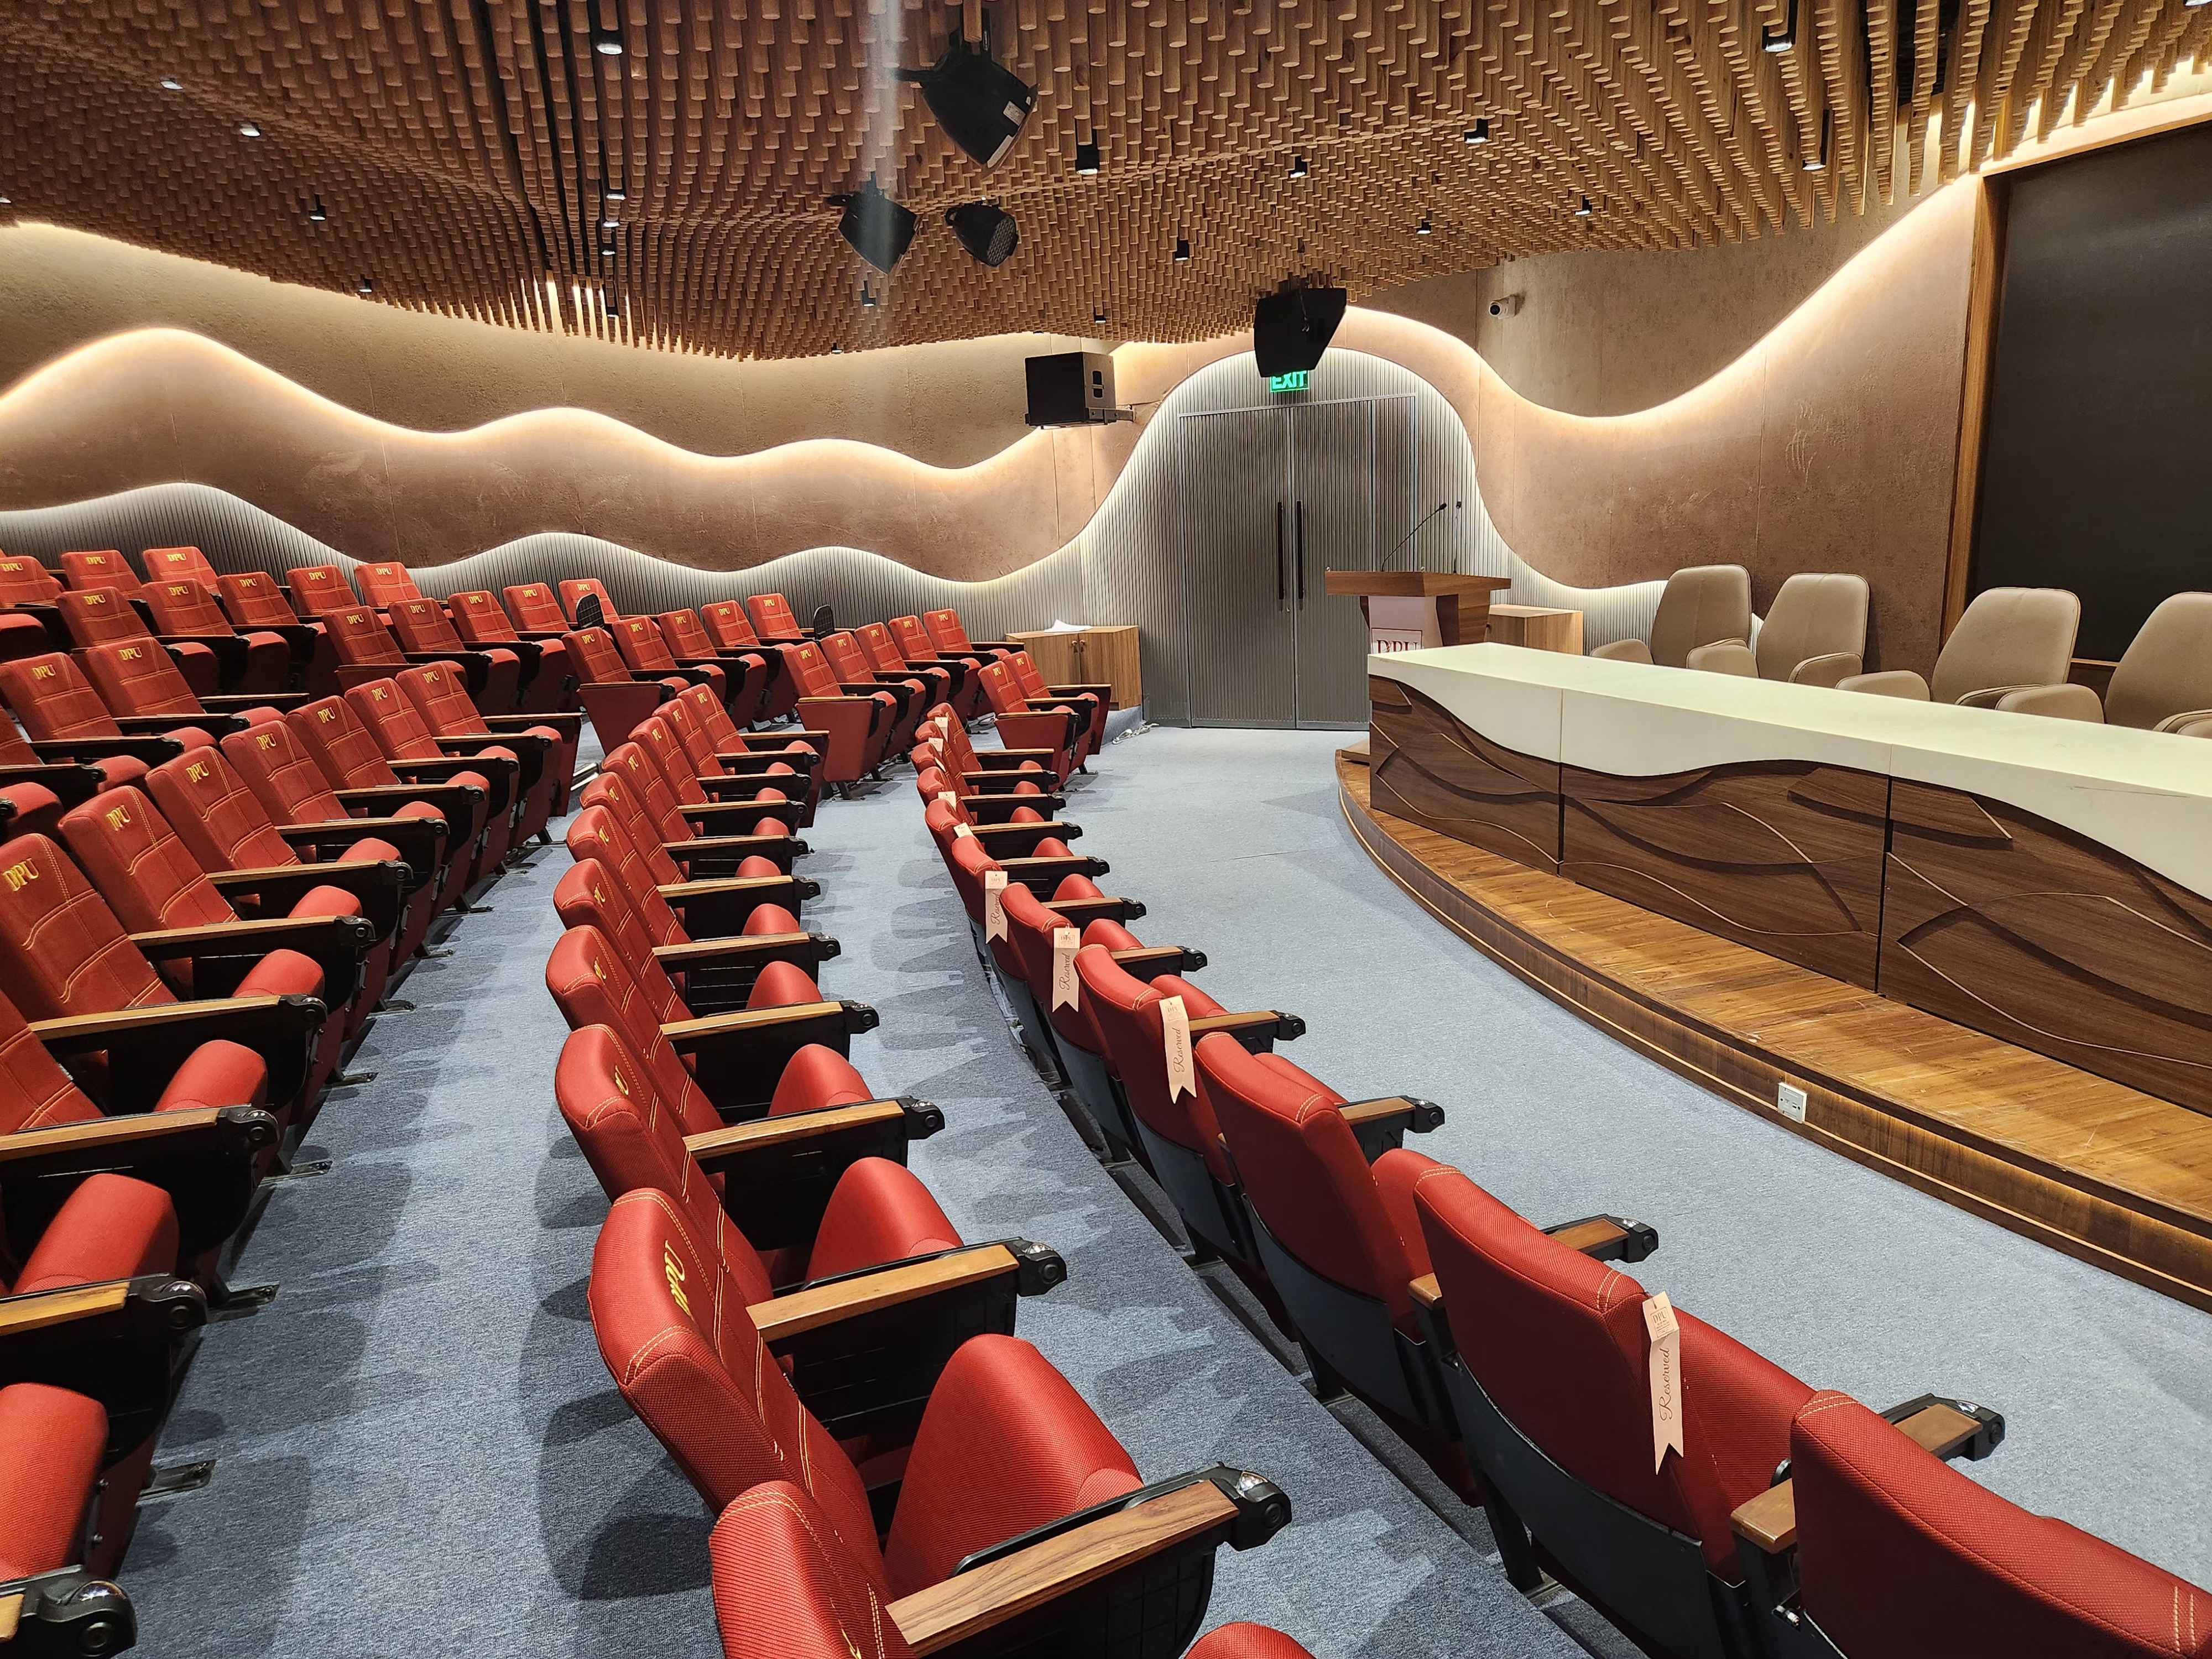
(1815,635)
(2013,644)
(2164,682)
(1705,604)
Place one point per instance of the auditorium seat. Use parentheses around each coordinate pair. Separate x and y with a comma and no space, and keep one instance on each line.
(635,789)
(366,650)
(185,612)
(180,565)
(2162,683)
(514,779)
(251,599)
(425,634)
(932,782)
(638,639)
(949,636)
(53,1447)
(576,589)
(385,585)
(1057,730)
(37,791)
(1088,700)
(64,718)
(978,878)
(548,678)
(821,1190)
(749,671)
(942,681)
(858,676)
(614,695)
(310,935)
(735,1057)
(536,610)
(711,974)
(124,1034)
(1704,604)
(545,744)
(137,679)
(319,589)
(859,726)
(773,619)
(787,1587)
(764,797)
(1895,1554)
(100,616)
(30,621)
(1815,635)
(725,760)
(917,644)
(2012,645)
(83,572)
(732,631)
(981,771)
(478,807)
(714,907)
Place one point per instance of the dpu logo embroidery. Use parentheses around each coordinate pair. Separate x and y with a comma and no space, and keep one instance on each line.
(325,715)
(118,817)
(196,772)
(21,875)
(130,654)
(178,590)
(43,671)
(262,740)
(99,598)
(675,1272)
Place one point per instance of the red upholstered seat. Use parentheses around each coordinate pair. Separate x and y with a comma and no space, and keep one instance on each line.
(253,599)
(941,681)
(35,1093)
(950,637)
(859,726)
(346,752)
(773,618)
(27,595)
(948,749)
(632,1135)
(83,572)
(1059,730)
(637,791)
(136,677)
(180,564)
(385,584)
(319,589)
(747,672)
(731,632)
(1005,1445)
(1898,1554)
(573,590)
(852,667)
(614,695)
(57,704)
(1085,700)
(26,581)
(423,630)
(186,605)
(51,1445)
(100,616)
(706,731)
(656,740)
(916,645)
(111,1227)
(536,610)
(639,640)
(548,677)
(396,724)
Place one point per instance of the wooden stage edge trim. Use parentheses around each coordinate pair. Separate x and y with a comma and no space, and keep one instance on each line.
(2072,1211)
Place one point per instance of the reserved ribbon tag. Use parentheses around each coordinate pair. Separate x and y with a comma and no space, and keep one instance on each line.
(944,725)
(960,829)
(1065,942)
(952,801)
(994,908)
(1666,1366)
(1175,1025)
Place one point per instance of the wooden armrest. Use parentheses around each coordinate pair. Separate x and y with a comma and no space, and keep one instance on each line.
(1261,1024)
(228,938)
(207,1159)
(969,1604)
(703,951)
(751,1019)
(1079,690)
(104,1132)
(1426,1291)
(214,724)
(788,1126)
(1421,1116)
(802,1311)
(151,750)
(1149,959)
(40,1309)
(145,1044)
(1768,1522)
(1085,909)
(1606,1237)
(74,1033)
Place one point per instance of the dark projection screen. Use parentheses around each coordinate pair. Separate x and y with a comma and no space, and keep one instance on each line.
(2097,473)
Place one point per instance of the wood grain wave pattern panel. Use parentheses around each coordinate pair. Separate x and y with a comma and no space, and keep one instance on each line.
(1783,856)
(2005,922)
(2106,1173)
(1431,769)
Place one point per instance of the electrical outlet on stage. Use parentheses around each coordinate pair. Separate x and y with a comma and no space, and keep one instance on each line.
(1789,1101)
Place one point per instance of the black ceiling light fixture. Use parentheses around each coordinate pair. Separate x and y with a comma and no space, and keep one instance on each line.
(170,84)
(1817,160)
(981,105)
(988,232)
(318,213)
(1086,158)
(1786,36)
(1299,169)
(1292,327)
(249,129)
(1182,250)
(1098,315)
(878,228)
(1584,211)
(606,39)
(867,298)
(365,288)
(1479,132)
(1424,227)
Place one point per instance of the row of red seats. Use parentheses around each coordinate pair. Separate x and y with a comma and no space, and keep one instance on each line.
(785,1304)
(1518,1360)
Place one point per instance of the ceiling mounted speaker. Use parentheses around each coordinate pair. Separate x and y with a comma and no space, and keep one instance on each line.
(878,228)
(982,105)
(1291,329)
(985,231)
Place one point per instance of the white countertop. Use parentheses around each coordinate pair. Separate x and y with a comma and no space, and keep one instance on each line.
(2146,794)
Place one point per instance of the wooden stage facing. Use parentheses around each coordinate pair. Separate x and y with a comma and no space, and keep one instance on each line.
(2093,1168)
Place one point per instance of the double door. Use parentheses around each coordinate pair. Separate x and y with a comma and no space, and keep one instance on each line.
(1272,497)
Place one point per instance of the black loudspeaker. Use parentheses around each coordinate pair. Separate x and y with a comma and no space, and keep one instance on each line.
(981,105)
(1069,388)
(986,232)
(1290,329)
(878,228)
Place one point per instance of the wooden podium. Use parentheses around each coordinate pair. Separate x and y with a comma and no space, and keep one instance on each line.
(1417,609)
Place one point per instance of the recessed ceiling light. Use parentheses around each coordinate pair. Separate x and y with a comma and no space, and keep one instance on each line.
(1479,132)
(608,222)
(1099,315)
(608,43)
(606,251)
(249,129)
(867,297)
(836,351)
(616,193)
(1422,228)
(366,288)
(170,84)
(6,200)
(1086,158)
(1297,167)
(1182,250)
(319,214)
(1584,211)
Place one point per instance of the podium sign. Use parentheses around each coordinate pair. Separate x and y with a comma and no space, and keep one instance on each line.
(1417,609)
(1398,624)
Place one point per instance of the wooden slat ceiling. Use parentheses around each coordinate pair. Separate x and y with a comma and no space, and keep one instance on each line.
(458,147)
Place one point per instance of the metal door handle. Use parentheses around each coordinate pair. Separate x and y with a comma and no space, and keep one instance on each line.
(1302,555)
(1279,594)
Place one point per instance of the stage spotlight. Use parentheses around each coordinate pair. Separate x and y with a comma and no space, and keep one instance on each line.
(1292,327)
(981,105)
(986,232)
(878,228)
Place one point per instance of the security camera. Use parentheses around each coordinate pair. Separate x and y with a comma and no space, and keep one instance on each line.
(1506,305)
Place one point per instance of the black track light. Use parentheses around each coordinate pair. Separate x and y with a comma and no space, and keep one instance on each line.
(867,298)
(878,228)
(1099,315)
(170,84)
(981,105)
(1479,132)
(1086,159)
(1817,160)
(318,213)
(1297,167)
(616,193)
(1182,250)
(366,288)
(988,232)
(1786,36)
(1422,228)
(607,42)
(1584,211)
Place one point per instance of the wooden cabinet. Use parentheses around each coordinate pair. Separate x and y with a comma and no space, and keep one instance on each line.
(1090,656)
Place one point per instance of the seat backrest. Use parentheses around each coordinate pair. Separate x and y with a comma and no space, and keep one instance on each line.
(657,740)
(1026,675)
(1898,1552)
(1030,927)
(1559,1343)
(26,581)
(598,660)
(93,615)
(2168,668)
(221,821)
(594,984)
(687,725)
(170,564)
(882,649)
(588,895)
(1302,1170)
(772,618)
(945,632)
(672,1328)
(810,670)
(479,620)
(2008,636)
(1003,691)
(35,1093)
(684,634)
(66,952)
(1812,616)
(1700,605)
(913,640)
(137,677)
(319,588)
(633,784)
(283,776)
(385,584)
(344,750)
(422,626)
(142,866)
(573,590)
(81,572)
(185,604)
(360,640)
(53,700)
(847,660)
(441,698)
(393,720)
(1126,1012)
(638,639)
(254,600)
(535,607)
(728,626)
(599,831)
(785,1584)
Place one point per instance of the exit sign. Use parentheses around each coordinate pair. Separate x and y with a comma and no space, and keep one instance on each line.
(1293,381)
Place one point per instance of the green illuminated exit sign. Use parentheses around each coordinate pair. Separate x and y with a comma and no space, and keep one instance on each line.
(1293,381)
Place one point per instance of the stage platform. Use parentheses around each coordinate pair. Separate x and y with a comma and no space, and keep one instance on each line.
(2106,1173)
